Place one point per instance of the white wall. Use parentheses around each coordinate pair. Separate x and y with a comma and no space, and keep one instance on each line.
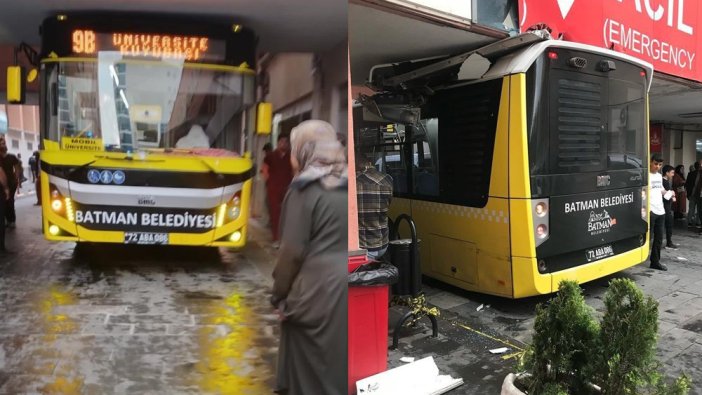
(685,155)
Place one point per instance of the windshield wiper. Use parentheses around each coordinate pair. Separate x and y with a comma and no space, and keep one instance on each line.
(81,167)
(130,157)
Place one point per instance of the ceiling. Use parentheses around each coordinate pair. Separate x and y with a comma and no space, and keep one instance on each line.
(381,36)
(282,25)
(674,100)
(378,36)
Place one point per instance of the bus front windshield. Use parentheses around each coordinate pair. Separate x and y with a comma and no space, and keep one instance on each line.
(129,104)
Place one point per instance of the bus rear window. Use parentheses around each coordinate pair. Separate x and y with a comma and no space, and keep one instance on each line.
(584,121)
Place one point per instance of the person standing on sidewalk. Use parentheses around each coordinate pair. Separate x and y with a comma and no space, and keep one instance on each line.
(692,216)
(277,171)
(655,193)
(12,168)
(373,193)
(4,196)
(668,200)
(310,277)
(680,204)
(34,165)
(37,183)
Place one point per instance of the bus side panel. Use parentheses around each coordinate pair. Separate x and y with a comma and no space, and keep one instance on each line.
(499,174)
(401,206)
(519,185)
(468,246)
(465,246)
(528,281)
(495,268)
(522,233)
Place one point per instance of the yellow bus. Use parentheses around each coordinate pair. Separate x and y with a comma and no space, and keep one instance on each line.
(531,171)
(145,126)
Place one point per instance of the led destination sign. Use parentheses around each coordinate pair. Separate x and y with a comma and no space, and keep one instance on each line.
(164,46)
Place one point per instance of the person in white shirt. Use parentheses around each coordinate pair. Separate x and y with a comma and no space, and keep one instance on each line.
(655,193)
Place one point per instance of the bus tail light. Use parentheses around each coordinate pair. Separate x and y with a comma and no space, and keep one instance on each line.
(644,201)
(541,231)
(541,209)
(540,215)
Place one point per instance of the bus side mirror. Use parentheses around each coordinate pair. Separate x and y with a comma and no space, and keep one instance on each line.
(264,118)
(15,84)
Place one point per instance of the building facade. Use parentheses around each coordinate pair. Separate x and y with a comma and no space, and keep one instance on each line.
(20,126)
(300,86)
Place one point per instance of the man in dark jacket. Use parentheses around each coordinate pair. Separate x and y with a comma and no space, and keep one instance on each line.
(13,171)
(692,214)
(4,194)
(668,199)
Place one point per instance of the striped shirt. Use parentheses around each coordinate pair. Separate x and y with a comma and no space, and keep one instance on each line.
(374,192)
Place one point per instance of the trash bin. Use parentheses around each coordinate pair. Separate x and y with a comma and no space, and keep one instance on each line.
(368,319)
(410,271)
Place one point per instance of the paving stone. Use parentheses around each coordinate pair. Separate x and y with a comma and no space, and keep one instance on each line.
(118,319)
(462,352)
(446,300)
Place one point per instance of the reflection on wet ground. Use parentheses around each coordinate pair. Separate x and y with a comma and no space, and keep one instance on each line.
(124,319)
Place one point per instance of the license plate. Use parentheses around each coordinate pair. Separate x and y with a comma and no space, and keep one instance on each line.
(145,238)
(598,253)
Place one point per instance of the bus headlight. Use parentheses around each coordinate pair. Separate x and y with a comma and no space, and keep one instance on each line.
(229,211)
(54,230)
(233,213)
(644,206)
(236,236)
(61,205)
(57,205)
(70,214)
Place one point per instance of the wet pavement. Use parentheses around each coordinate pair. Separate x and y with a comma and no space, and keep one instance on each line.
(471,324)
(129,319)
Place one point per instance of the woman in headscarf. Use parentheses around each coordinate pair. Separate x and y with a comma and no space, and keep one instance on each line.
(680,204)
(310,277)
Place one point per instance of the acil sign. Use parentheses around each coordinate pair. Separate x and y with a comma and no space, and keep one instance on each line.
(661,32)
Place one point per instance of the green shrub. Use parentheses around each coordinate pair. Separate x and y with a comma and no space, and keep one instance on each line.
(571,351)
(565,331)
(625,360)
